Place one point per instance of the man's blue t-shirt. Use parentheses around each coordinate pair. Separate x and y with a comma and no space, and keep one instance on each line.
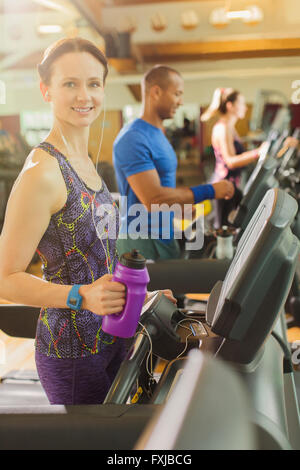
(140,147)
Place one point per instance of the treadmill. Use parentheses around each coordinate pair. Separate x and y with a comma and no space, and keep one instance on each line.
(264,176)
(245,328)
(241,317)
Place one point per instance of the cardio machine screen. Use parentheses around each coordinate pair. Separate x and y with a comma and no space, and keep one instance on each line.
(259,164)
(245,247)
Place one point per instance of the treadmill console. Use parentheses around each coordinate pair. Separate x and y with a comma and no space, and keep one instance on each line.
(247,303)
(262,158)
(261,180)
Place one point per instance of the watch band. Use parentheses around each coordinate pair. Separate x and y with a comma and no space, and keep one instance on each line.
(74,300)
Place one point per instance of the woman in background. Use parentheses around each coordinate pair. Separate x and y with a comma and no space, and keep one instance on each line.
(230,154)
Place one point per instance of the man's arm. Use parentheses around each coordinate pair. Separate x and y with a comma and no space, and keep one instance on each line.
(132,155)
(146,186)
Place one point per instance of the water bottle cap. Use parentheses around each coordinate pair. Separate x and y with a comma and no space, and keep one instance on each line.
(224,232)
(133,260)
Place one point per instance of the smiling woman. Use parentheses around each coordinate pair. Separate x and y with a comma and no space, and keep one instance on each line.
(68,86)
(76,88)
(52,210)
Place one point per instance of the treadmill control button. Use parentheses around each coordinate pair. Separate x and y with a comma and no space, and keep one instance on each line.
(199,329)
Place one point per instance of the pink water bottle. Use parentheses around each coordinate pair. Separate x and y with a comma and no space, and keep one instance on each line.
(131,270)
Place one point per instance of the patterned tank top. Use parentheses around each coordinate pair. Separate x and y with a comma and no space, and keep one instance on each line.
(222,171)
(72,253)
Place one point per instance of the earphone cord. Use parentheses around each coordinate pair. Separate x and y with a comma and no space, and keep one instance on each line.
(86,189)
(149,356)
(188,336)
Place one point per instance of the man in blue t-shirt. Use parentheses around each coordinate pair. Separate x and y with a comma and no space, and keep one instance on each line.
(145,165)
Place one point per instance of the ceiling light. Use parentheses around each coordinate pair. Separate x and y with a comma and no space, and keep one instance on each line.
(218,17)
(236,15)
(255,16)
(158,22)
(49,28)
(221,17)
(128,24)
(189,19)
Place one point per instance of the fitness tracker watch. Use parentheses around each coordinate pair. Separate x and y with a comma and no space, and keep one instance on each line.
(74,300)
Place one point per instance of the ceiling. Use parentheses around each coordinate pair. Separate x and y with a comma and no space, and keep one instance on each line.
(125,29)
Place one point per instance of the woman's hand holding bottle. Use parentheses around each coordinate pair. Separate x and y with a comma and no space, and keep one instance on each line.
(104,296)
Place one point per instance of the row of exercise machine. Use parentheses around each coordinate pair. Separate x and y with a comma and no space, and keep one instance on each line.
(228,380)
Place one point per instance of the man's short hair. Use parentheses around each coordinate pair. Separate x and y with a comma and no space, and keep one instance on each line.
(158,75)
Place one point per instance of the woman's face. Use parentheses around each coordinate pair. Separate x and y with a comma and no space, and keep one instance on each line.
(76,89)
(239,107)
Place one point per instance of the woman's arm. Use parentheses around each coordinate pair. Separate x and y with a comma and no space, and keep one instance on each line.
(38,193)
(34,197)
(223,140)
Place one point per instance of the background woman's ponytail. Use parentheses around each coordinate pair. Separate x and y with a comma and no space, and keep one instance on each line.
(214,106)
(221,97)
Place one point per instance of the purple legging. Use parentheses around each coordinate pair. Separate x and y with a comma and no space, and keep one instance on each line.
(83,381)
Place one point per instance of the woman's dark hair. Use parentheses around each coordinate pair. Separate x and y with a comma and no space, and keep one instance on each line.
(231,98)
(64,46)
(221,97)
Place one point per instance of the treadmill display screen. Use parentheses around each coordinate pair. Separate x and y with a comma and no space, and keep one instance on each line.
(259,164)
(245,247)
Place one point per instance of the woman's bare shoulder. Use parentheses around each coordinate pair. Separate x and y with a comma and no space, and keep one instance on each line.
(41,166)
(40,180)
(220,128)
(43,158)
(219,133)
